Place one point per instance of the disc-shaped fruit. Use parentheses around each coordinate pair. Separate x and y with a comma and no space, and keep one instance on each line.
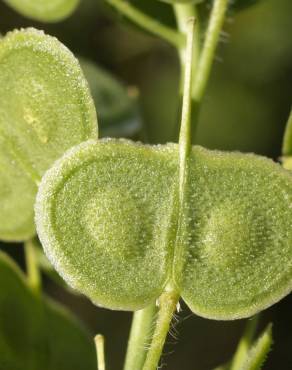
(107,215)
(109,206)
(44,10)
(45,108)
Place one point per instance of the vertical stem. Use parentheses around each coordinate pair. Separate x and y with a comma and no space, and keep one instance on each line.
(141,327)
(203,59)
(211,40)
(198,66)
(183,12)
(140,335)
(185,142)
(32,267)
(169,298)
(167,304)
(244,343)
(99,344)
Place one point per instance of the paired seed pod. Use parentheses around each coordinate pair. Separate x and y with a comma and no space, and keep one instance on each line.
(107,216)
(108,212)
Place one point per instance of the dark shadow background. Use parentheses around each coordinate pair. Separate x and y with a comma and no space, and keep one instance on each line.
(246,107)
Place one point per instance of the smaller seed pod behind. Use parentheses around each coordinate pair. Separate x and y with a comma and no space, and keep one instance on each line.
(44,10)
(45,109)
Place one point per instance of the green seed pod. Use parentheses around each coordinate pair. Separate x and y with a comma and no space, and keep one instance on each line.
(107,216)
(45,108)
(36,333)
(44,10)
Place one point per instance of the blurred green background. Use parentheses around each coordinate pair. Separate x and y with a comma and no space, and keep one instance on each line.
(245,108)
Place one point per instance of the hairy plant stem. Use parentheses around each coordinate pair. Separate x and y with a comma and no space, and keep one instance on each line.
(215,24)
(195,66)
(185,140)
(140,337)
(167,303)
(147,23)
(169,298)
(244,343)
(203,58)
(258,352)
(32,267)
(183,12)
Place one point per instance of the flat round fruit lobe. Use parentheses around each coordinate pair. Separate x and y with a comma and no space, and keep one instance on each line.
(44,10)
(45,108)
(102,215)
(237,258)
(109,219)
